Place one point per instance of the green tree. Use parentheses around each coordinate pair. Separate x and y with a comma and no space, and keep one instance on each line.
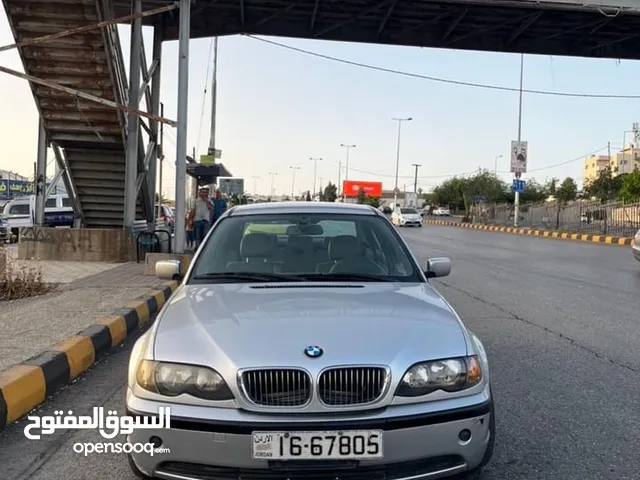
(565,193)
(330,193)
(630,188)
(308,196)
(551,187)
(362,197)
(606,186)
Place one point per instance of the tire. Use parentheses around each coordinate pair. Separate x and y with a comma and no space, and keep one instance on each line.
(135,469)
(476,473)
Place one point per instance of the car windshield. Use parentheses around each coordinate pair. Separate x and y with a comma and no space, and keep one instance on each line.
(304,247)
(408,210)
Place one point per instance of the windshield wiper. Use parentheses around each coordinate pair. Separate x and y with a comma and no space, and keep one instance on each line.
(248,277)
(346,277)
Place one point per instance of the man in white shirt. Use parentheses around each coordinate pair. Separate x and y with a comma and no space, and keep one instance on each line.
(203,209)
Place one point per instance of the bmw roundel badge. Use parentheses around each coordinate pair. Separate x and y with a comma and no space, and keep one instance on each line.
(313,351)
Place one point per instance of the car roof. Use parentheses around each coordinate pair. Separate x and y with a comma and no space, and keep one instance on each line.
(302,207)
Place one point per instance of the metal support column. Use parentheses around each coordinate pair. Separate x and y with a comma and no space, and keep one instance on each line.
(181,134)
(155,109)
(133,121)
(41,174)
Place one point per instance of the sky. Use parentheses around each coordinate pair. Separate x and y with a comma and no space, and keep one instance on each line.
(277,108)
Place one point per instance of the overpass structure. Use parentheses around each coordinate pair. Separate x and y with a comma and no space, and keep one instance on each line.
(107,148)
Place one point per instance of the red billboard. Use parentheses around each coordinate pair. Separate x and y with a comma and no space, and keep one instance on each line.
(352,187)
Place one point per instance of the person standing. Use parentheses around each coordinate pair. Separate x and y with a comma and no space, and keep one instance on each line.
(189,227)
(202,217)
(219,207)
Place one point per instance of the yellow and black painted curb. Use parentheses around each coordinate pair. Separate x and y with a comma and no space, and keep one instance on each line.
(28,384)
(581,237)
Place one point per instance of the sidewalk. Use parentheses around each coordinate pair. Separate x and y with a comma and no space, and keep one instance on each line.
(87,292)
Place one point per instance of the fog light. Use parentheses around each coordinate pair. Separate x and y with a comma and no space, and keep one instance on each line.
(464,435)
(155,441)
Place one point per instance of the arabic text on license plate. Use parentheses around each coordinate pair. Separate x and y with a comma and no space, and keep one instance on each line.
(326,445)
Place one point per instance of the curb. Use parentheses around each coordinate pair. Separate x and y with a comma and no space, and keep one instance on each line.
(26,385)
(581,237)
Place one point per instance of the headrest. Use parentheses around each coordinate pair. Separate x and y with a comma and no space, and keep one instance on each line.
(300,243)
(257,245)
(344,246)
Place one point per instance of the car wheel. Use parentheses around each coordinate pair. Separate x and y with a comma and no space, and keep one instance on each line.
(476,473)
(136,471)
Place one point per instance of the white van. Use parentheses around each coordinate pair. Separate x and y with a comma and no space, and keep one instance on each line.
(21,212)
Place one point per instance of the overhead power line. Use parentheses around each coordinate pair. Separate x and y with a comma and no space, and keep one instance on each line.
(445,80)
(473,172)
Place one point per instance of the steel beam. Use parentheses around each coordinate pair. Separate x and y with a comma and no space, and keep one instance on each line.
(155,109)
(133,121)
(41,173)
(181,134)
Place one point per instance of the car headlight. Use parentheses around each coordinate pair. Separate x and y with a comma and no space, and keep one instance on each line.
(450,375)
(173,379)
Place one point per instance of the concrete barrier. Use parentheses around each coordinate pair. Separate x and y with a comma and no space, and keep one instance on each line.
(76,244)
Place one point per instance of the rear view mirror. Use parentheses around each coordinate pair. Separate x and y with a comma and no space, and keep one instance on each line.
(438,267)
(169,270)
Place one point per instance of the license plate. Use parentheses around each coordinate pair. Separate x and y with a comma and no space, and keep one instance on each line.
(326,445)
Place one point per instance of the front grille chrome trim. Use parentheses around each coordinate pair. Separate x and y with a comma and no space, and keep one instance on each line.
(380,375)
(268,380)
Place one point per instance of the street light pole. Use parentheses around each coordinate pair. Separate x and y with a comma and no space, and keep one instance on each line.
(346,165)
(395,190)
(495,169)
(315,171)
(272,174)
(293,181)
(516,203)
(255,184)
(415,180)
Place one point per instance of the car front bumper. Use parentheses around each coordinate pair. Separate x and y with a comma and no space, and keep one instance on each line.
(420,442)
(636,252)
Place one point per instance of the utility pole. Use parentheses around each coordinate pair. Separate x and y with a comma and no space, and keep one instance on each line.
(415,180)
(315,171)
(272,174)
(320,190)
(255,184)
(346,165)
(293,181)
(339,188)
(395,190)
(516,209)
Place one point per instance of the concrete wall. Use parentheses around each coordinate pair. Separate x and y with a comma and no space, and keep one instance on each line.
(76,244)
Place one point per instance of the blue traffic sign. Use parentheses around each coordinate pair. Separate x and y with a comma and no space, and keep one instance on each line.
(518,185)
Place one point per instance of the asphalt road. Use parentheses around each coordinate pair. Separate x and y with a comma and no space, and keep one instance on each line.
(559,320)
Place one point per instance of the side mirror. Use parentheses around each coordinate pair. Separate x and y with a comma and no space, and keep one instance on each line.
(169,270)
(438,267)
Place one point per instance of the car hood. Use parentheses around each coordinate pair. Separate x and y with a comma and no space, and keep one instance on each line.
(239,326)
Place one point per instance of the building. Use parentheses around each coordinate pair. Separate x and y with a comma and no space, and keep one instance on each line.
(626,161)
(9,175)
(592,167)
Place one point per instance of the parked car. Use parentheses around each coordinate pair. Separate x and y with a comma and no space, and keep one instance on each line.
(306,337)
(635,246)
(406,217)
(441,212)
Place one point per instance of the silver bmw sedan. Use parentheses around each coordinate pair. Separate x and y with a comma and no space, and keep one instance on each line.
(305,342)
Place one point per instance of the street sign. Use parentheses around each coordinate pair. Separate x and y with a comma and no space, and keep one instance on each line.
(396,191)
(479,199)
(519,156)
(518,185)
(231,186)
